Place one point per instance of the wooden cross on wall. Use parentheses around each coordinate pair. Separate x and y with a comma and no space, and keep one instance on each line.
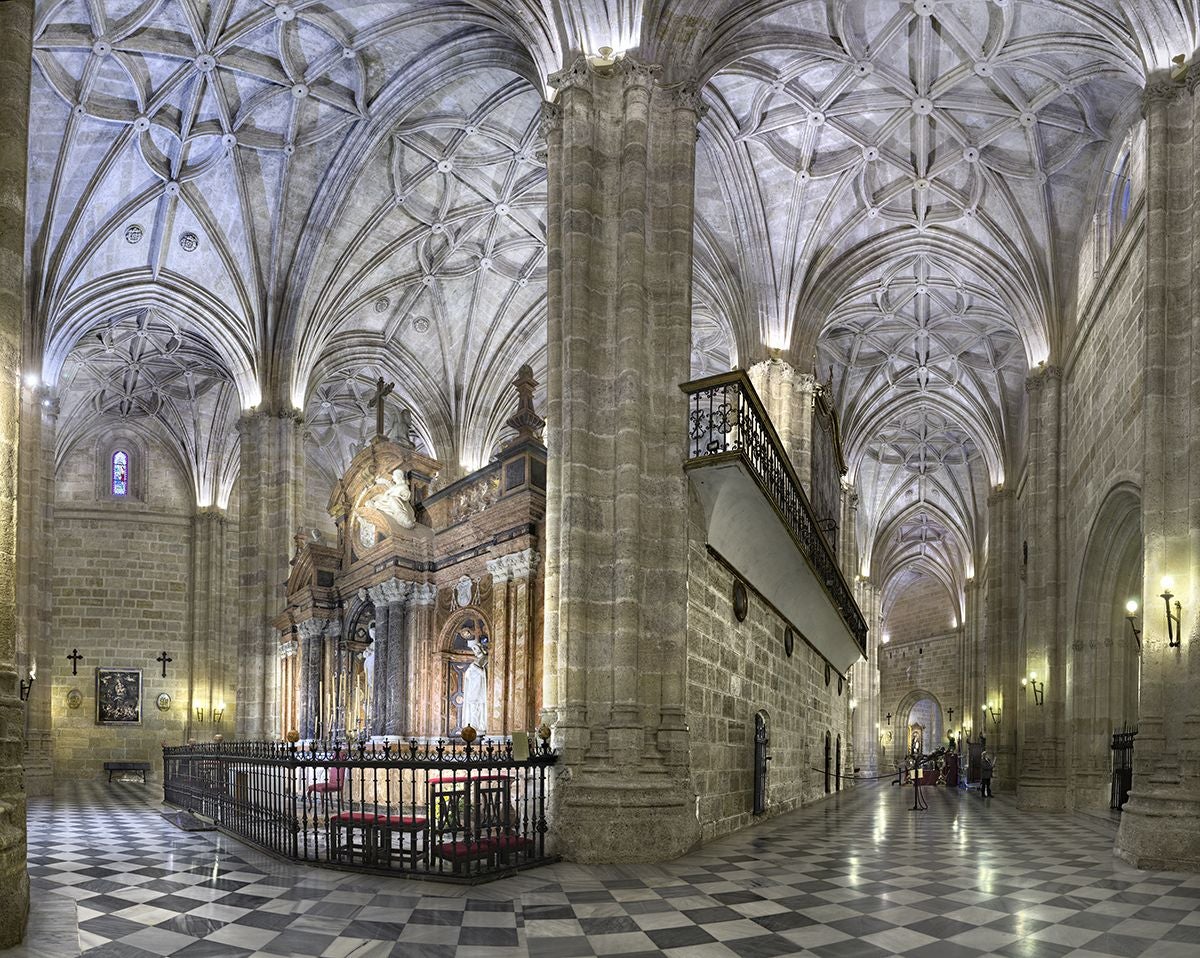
(74,657)
(164,659)
(382,390)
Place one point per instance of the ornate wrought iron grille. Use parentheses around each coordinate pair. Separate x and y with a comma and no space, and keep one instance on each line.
(727,419)
(442,810)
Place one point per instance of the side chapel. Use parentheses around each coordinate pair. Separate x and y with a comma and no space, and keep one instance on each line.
(426,615)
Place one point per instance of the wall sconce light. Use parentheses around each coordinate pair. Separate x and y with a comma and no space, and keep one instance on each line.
(1131,608)
(1174,632)
(215,714)
(27,687)
(853,704)
(1039,688)
(994,713)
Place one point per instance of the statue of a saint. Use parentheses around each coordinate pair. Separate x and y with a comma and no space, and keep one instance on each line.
(474,707)
(395,501)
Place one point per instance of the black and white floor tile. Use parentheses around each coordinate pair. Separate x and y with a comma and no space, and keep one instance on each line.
(855,876)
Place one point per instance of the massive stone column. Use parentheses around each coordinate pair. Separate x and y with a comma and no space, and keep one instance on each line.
(271,494)
(620,162)
(211,613)
(35,549)
(999,682)
(1042,773)
(788,398)
(1160,825)
(16,25)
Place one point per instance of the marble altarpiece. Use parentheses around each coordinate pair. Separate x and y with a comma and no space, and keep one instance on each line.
(426,614)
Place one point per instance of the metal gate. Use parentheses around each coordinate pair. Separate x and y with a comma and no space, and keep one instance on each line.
(761,741)
(1122,765)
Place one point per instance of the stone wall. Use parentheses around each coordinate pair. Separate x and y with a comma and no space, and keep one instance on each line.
(736,669)
(921,610)
(1102,391)
(121,596)
(927,665)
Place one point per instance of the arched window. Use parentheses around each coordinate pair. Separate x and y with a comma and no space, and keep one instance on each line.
(1122,196)
(120,473)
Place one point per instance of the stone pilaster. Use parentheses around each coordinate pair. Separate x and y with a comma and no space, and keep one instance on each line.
(1160,825)
(509,663)
(1042,772)
(620,185)
(788,398)
(16,26)
(35,545)
(211,656)
(271,496)
(423,642)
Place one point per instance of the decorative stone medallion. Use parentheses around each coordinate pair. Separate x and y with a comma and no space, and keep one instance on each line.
(366,533)
(383,304)
(462,592)
(789,641)
(134,234)
(74,699)
(741,602)
(163,701)
(189,242)
(421,324)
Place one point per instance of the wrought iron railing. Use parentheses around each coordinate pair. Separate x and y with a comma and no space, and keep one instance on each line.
(1122,766)
(726,419)
(444,810)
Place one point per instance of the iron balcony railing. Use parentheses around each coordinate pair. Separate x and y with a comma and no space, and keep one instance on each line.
(451,811)
(727,421)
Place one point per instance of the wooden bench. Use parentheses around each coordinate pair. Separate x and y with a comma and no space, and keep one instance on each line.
(376,848)
(142,767)
(496,849)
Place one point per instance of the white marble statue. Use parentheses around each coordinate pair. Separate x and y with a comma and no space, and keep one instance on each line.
(395,501)
(474,707)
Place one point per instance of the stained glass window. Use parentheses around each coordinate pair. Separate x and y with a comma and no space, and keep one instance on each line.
(120,473)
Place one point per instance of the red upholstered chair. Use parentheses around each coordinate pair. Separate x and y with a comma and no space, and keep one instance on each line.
(335,775)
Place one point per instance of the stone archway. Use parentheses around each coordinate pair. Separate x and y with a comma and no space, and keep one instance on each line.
(1103,668)
(924,707)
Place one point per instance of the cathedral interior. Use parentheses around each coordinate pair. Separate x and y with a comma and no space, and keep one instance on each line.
(684,431)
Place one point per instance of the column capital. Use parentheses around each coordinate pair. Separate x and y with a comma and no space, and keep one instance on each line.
(1162,90)
(515,565)
(389,591)
(423,593)
(310,628)
(288,649)
(1039,376)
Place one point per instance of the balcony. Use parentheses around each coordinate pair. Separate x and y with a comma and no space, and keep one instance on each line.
(760,521)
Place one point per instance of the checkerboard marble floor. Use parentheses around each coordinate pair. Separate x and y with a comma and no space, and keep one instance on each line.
(856,875)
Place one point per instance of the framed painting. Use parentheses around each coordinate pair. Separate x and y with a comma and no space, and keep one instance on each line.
(118,696)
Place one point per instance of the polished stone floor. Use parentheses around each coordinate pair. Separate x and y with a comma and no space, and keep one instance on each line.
(856,875)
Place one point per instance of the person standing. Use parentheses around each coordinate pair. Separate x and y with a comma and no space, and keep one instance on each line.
(987,765)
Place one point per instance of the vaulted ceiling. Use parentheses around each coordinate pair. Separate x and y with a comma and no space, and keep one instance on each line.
(301,196)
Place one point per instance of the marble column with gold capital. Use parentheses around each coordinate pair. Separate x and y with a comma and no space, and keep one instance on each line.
(621,147)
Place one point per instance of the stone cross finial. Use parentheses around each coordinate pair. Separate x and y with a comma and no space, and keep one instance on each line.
(382,390)
(525,420)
